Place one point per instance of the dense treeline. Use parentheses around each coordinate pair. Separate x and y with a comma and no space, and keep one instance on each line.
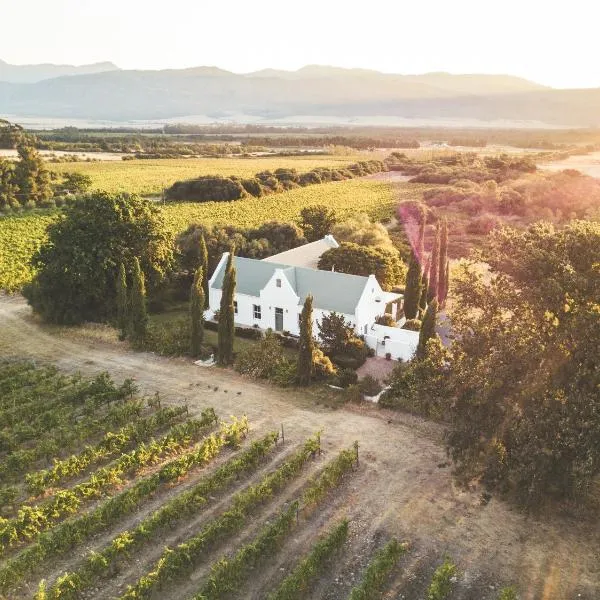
(221,189)
(351,141)
(270,238)
(453,167)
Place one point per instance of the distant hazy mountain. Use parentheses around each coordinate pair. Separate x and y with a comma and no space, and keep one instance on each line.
(318,91)
(34,73)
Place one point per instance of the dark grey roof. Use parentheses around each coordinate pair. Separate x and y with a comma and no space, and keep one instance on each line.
(330,290)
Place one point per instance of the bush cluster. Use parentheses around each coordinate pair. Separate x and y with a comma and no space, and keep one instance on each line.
(217,188)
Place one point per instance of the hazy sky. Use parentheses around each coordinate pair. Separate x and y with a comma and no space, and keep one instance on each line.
(549,41)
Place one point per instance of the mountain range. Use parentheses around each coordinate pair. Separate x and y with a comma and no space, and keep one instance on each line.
(35,73)
(104,92)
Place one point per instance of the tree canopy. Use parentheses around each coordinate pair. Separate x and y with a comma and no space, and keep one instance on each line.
(351,258)
(270,238)
(525,370)
(317,221)
(79,263)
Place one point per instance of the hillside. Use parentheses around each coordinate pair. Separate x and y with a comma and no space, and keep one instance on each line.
(34,73)
(311,91)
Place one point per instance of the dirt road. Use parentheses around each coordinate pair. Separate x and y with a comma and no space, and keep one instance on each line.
(405,487)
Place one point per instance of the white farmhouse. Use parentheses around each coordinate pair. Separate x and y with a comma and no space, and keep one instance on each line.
(270,293)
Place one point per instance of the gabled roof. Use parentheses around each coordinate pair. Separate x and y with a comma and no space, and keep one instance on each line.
(307,255)
(331,291)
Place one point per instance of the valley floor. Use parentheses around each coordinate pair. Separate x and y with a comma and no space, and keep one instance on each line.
(403,487)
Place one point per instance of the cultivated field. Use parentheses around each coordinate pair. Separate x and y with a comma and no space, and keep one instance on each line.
(20,235)
(150,177)
(401,488)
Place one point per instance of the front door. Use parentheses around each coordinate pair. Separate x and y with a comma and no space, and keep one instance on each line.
(278,319)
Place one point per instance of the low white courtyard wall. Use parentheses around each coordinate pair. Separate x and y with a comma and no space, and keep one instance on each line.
(400,343)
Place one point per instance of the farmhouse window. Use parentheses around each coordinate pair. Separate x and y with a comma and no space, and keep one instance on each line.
(278,282)
(256,311)
(235,307)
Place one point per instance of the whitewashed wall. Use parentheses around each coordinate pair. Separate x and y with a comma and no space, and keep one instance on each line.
(400,343)
(368,309)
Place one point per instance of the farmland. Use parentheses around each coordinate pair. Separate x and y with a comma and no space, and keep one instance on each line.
(20,235)
(235,514)
(150,177)
(139,454)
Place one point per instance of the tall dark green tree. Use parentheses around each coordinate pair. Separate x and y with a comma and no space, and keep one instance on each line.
(138,315)
(203,256)
(442,264)
(420,246)
(427,329)
(446,282)
(122,301)
(424,289)
(197,300)
(8,186)
(434,268)
(226,329)
(31,176)
(77,267)
(413,289)
(306,344)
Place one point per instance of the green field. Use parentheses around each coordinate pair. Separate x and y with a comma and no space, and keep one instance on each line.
(345,197)
(20,235)
(150,177)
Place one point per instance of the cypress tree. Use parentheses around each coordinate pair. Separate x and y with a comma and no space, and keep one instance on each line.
(122,316)
(434,267)
(446,281)
(138,321)
(442,262)
(412,291)
(197,314)
(427,329)
(306,344)
(226,314)
(424,289)
(421,240)
(203,256)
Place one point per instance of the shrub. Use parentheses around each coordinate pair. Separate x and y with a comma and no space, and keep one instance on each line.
(353,394)
(412,325)
(441,583)
(483,224)
(386,320)
(346,361)
(420,386)
(369,386)
(168,340)
(284,373)
(248,332)
(260,362)
(207,188)
(323,367)
(347,377)
(253,186)
(47,203)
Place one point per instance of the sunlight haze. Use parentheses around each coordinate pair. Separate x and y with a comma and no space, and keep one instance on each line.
(546,42)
